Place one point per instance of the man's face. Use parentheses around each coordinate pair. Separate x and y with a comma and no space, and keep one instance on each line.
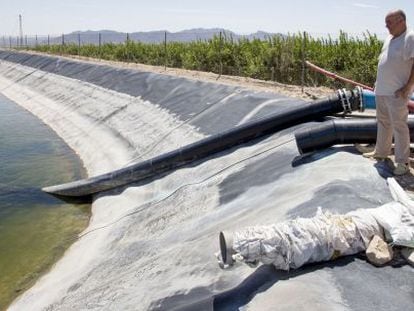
(394,24)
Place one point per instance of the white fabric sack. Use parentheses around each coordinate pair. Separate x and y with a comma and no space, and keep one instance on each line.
(397,221)
(397,218)
(293,243)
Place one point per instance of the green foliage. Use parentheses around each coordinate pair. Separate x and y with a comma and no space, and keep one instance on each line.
(279,58)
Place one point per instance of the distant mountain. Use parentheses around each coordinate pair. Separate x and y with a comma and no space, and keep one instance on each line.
(91,36)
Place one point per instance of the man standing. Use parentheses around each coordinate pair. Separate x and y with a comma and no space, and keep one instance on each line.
(394,85)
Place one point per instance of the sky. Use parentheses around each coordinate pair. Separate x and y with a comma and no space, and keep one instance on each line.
(317,17)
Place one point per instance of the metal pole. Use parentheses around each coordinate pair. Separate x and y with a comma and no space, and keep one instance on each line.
(100,44)
(63,45)
(21,30)
(302,78)
(127,47)
(48,41)
(221,46)
(165,51)
(36,42)
(10,42)
(220,61)
(79,44)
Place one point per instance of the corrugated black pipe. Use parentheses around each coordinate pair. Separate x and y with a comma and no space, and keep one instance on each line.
(339,131)
(208,146)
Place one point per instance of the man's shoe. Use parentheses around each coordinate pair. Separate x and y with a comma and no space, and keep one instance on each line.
(374,155)
(401,169)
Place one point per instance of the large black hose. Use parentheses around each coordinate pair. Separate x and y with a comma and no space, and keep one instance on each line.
(339,131)
(349,100)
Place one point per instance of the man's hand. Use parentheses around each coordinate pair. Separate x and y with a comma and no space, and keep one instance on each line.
(403,92)
(407,89)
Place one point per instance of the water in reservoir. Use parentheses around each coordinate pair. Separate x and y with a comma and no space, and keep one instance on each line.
(35,228)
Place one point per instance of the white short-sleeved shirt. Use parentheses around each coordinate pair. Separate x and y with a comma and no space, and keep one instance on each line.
(395,63)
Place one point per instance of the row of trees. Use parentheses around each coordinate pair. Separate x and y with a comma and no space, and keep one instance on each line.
(279,58)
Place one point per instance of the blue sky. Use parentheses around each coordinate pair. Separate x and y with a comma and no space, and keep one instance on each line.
(318,17)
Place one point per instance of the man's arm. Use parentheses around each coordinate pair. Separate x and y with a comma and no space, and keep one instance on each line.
(407,89)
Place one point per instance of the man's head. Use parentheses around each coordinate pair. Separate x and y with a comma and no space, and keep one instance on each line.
(395,22)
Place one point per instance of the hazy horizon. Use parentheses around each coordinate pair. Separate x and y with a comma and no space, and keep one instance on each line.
(318,18)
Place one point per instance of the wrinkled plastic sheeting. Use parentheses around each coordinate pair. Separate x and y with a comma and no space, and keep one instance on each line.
(293,243)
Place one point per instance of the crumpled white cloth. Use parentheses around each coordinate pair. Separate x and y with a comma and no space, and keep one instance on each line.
(397,218)
(293,243)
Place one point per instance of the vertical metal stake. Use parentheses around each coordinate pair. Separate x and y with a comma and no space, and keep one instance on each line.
(79,44)
(99,46)
(302,79)
(220,61)
(127,47)
(165,50)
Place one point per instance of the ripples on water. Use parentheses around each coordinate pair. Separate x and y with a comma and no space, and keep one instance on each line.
(35,228)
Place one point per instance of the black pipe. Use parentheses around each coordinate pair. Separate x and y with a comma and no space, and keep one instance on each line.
(292,116)
(339,131)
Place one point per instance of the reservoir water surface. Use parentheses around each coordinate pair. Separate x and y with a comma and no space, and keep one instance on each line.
(35,228)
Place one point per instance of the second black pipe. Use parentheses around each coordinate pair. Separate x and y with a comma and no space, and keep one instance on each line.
(339,131)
